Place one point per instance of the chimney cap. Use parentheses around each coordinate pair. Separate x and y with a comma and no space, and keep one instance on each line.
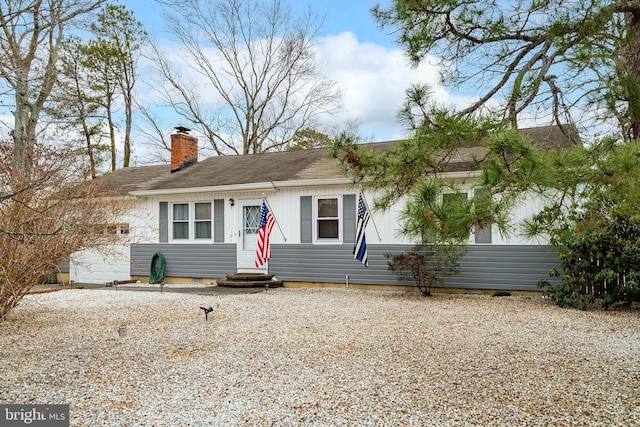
(182,129)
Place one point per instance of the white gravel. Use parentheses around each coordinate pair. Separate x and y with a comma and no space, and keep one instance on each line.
(321,357)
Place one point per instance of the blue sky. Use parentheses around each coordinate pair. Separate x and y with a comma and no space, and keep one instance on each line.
(354,16)
(366,64)
(345,15)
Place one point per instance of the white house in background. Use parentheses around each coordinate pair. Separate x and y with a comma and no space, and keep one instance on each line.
(203,217)
(114,263)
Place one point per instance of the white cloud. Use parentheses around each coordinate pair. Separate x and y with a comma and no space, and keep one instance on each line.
(373,80)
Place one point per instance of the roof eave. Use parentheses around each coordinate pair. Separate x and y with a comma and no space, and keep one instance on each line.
(251,186)
(461,174)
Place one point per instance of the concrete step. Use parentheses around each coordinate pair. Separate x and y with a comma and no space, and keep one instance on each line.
(249,283)
(250,276)
(249,280)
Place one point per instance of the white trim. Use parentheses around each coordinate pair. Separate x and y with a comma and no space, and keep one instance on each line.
(245,256)
(312,182)
(316,239)
(191,222)
(172,222)
(195,221)
(461,174)
(271,185)
(274,185)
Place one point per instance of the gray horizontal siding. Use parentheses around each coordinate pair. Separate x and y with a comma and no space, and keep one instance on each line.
(515,268)
(197,261)
(483,267)
(501,267)
(329,264)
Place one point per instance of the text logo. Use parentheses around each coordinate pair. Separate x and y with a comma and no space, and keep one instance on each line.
(34,415)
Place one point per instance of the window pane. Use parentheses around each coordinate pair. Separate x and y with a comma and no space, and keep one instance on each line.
(180,230)
(122,228)
(328,229)
(327,208)
(251,219)
(203,211)
(181,212)
(203,230)
(453,198)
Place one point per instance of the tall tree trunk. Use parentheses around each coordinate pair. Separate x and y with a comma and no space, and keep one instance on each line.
(127,132)
(112,136)
(632,72)
(87,137)
(24,132)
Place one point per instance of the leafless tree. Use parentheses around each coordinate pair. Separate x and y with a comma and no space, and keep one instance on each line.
(258,79)
(32,31)
(46,215)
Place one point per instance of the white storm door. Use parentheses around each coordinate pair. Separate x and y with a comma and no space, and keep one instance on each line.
(248,237)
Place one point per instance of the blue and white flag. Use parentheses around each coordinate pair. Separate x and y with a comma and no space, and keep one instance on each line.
(360,247)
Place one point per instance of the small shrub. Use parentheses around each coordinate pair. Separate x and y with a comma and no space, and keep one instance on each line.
(427,265)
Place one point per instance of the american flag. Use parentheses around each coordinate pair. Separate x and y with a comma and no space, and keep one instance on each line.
(263,252)
(360,247)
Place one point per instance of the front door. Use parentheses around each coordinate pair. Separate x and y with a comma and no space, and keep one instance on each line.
(248,234)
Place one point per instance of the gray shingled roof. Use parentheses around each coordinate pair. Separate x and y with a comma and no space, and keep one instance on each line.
(125,180)
(245,169)
(553,136)
(278,166)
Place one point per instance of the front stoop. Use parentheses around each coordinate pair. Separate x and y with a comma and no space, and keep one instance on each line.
(249,280)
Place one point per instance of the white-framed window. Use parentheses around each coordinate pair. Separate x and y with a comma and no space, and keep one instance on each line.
(192,221)
(119,228)
(481,233)
(202,220)
(327,219)
(180,221)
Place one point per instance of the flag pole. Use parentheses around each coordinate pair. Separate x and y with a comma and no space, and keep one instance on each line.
(274,215)
(371,214)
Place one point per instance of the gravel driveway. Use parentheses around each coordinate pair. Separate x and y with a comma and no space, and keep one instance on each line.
(320,357)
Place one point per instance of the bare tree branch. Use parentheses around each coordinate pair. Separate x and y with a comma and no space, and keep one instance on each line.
(257,64)
(32,33)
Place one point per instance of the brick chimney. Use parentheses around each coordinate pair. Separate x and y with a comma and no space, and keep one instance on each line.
(184,150)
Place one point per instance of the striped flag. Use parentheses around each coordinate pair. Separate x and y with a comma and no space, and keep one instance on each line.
(360,247)
(263,252)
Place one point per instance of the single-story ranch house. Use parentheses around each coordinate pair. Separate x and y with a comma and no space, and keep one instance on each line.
(203,217)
